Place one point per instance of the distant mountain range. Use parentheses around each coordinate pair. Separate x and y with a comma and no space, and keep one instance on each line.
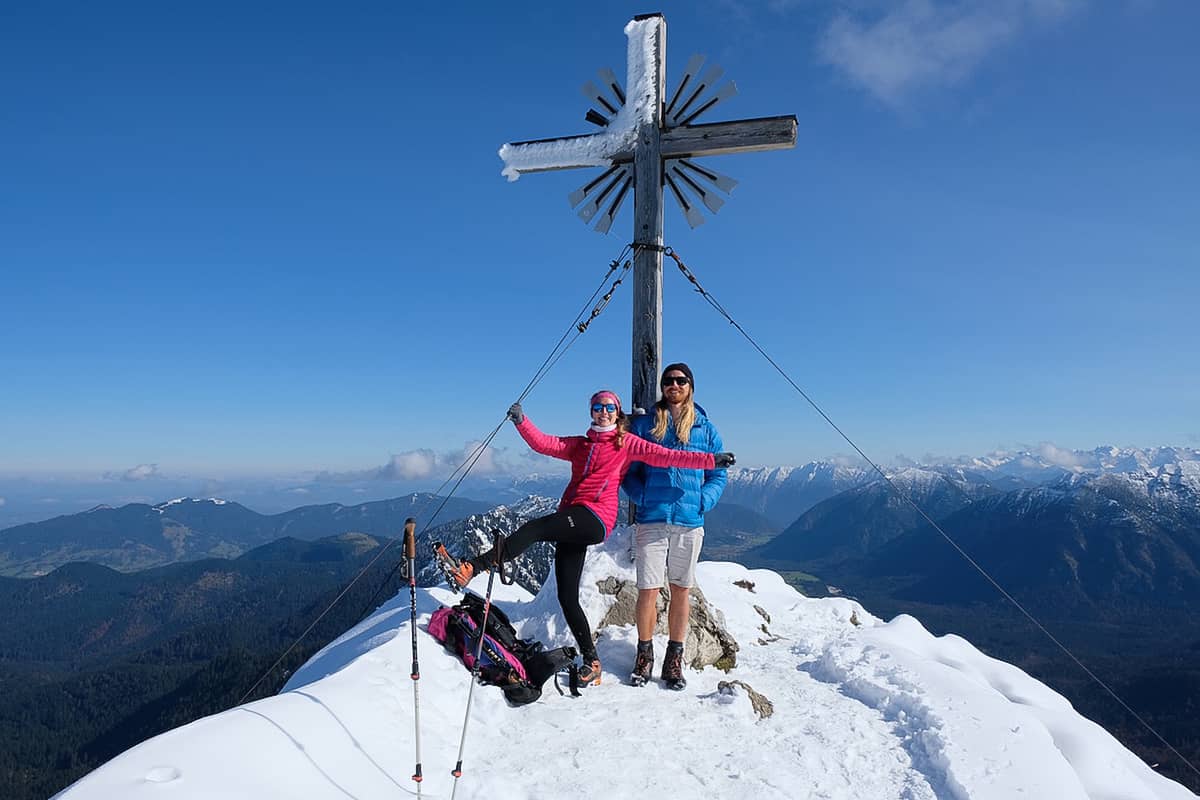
(861,519)
(1123,542)
(822,517)
(784,493)
(1093,536)
(138,536)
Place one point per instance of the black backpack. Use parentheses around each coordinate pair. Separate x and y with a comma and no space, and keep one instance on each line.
(461,625)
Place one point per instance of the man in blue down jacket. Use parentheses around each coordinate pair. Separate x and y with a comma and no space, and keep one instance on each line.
(671,504)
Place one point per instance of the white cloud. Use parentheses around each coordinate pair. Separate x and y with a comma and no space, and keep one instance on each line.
(141,472)
(919,44)
(1059,457)
(410,465)
(424,464)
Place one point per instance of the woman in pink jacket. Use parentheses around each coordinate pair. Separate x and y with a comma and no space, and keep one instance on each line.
(588,509)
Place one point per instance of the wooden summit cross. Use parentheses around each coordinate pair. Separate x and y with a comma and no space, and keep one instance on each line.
(647,141)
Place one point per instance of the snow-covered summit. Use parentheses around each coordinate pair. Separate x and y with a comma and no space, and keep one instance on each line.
(216,501)
(1046,462)
(861,709)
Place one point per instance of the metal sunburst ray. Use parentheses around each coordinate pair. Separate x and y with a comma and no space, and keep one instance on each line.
(692,97)
(608,108)
(611,187)
(599,200)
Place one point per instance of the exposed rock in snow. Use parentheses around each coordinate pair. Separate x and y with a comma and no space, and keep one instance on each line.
(707,643)
(761,705)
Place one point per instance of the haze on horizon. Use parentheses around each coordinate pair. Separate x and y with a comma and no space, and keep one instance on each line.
(270,267)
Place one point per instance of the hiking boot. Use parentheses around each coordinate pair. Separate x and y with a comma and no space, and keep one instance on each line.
(457,573)
(589,672)
(672,669)
(643,665)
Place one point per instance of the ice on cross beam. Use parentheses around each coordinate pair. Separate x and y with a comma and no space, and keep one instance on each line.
(619,136)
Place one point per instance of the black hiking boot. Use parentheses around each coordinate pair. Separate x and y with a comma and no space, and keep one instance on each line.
(589,671)
(457,573)
(672,669)
(643,665)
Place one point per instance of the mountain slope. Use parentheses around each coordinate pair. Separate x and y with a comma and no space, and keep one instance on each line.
(1117,541)
(138,536)
(784,493)
(861,709)
(473,535)
(93,661)
(860,520)
(82,612)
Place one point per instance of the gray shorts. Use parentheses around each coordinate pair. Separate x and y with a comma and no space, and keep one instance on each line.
(666,552)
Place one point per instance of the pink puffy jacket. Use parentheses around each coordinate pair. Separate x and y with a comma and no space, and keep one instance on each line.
(597,465)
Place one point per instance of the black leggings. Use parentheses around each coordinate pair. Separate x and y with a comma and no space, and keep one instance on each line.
(572,529)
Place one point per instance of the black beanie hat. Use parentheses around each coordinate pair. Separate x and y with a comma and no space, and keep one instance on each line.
(680,367)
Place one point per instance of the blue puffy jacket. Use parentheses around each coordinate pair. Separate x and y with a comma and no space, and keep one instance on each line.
(672,495)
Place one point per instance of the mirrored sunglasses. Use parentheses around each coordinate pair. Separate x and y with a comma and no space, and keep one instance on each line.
(675,380)
(609,407)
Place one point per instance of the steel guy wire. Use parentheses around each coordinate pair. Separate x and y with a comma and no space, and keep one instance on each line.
(721,310)
(469,462)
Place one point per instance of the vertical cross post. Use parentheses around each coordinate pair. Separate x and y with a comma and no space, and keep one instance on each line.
(649,141)
(648,235)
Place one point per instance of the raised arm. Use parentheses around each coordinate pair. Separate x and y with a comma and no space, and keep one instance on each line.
(634,482)
(658,456)
(544,443)
(714,479)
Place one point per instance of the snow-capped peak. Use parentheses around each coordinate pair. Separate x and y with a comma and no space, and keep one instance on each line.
(216,501)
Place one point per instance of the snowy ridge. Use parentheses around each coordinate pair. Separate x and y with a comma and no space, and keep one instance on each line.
(473,535)
(862,709)
(161,507)
(1047,461)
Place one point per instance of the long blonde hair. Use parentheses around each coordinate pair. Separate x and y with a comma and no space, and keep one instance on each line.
(683,424)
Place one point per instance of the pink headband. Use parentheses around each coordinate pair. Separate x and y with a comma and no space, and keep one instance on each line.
(605,395)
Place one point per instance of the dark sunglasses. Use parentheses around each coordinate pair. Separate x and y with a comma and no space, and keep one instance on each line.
(609,407)
(677,380)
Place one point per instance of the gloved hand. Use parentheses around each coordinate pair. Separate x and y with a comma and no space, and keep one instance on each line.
(723,460)
(515,413)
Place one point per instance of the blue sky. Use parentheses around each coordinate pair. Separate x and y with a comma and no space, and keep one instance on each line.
(273,239)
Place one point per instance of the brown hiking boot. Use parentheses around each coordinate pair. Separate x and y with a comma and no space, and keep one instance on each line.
(643,665)
(672,669)
(589,673)
(458,573)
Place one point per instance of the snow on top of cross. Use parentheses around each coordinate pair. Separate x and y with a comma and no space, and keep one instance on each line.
(862,709)
(599,149)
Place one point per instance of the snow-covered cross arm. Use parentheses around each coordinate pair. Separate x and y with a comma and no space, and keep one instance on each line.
(617,143)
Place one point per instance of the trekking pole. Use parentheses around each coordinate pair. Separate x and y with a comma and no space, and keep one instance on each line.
(410,555)
(497,566)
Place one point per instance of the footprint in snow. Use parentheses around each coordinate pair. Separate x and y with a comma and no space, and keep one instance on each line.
(163,775)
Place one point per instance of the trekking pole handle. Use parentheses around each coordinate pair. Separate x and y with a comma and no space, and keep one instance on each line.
(498,562)
(410,539)
(498,546)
